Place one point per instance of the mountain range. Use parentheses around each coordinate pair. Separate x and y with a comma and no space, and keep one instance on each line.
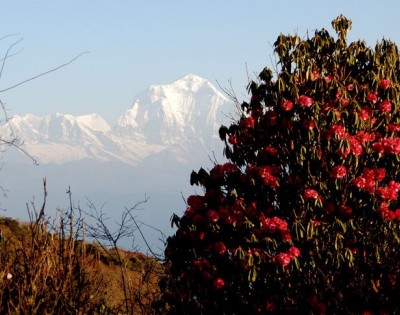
(180,119)
(150,150)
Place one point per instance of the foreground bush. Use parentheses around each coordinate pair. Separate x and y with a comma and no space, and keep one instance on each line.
(47,267)
(45,273)
(305,216)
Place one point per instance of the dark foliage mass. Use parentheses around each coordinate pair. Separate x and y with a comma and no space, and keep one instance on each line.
(305,217)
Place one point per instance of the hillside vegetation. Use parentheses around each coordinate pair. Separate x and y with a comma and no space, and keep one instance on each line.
(49,268)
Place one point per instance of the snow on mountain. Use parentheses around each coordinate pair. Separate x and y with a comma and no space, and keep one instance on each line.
(94,122)
(178,119)
(188,108)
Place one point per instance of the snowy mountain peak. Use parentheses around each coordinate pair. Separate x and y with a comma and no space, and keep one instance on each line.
(190,82)
(178,119)
(171,113)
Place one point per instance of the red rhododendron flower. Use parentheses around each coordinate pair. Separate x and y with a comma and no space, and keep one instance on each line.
(282,259)
(372,97)
(343,152)
(387,145)
(218,283)
(345,210)
(385,106)
(230,167)
(385,83)
(394,127)
(385,212)
(270,150)
(338,131)
(268,179)
(345,101)
(220,248)
(309,124)
(202,235)
(355,146)
(379,173)
(270,306)
(394,185)
(286,237)
(287,106)
(369,173)
(248,122)
(217,172)
(341,99)
(196,202)
(281,224)
(232,139)
(363,136)
(212,216)
(189,211)
(365,113)
(378,147)
(310,194)
(338,171)
(270,225)
(274,224)
(305,101)
(294,252)
(386,193)
(359,182)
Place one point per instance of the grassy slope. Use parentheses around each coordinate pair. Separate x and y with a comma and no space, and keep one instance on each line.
(53,272)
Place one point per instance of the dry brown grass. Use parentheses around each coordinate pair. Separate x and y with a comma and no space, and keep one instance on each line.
(48,268)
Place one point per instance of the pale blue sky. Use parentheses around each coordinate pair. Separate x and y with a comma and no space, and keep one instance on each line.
(134,44)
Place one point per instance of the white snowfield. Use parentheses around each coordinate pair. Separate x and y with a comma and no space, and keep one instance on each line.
(179,119)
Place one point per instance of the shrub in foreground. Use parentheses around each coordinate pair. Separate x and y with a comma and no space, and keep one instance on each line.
(304,218)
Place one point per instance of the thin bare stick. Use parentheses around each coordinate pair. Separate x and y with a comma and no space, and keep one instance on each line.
(6,55)
(143,237)
(14,142)
(43,73)
(8,35)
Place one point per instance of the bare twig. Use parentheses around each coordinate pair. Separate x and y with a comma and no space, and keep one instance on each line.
(14,140)
(43,73)
(144,238)
(7,55)
(101,232)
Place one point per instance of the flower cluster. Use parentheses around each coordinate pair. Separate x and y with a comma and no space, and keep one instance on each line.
(284,259)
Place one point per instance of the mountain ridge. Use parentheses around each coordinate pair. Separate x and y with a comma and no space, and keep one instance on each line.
(185,113)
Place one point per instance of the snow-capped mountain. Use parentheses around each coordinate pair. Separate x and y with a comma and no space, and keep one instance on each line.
(180,119)
(189,108)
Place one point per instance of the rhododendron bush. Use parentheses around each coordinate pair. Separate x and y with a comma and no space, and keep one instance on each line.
(305,215)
